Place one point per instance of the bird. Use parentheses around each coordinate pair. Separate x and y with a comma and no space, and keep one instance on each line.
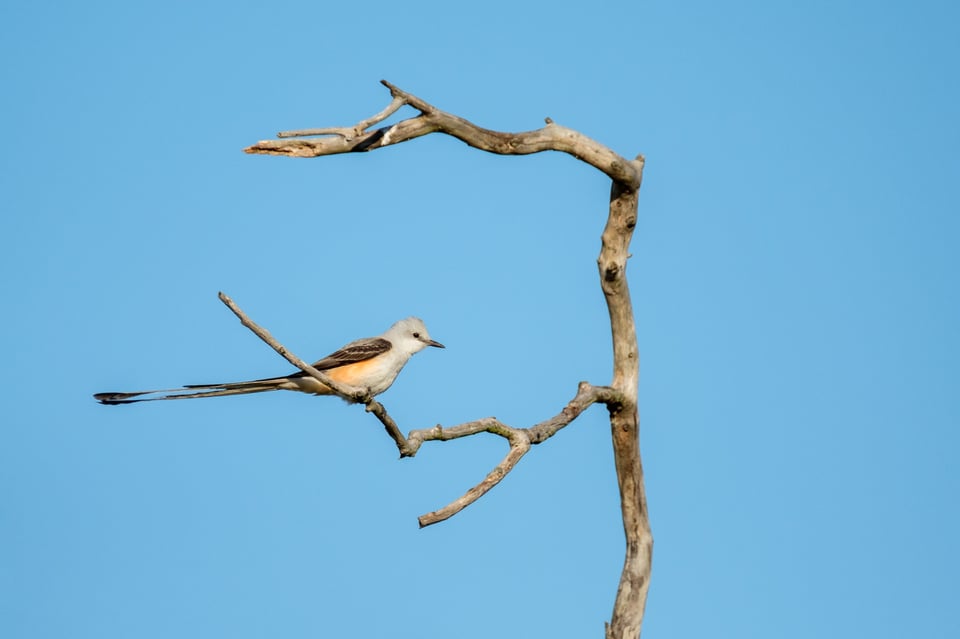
(369,363)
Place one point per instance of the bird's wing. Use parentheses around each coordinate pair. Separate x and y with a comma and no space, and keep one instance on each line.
(358,351)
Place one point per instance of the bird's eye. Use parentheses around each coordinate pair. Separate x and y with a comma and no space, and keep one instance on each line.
(417,335)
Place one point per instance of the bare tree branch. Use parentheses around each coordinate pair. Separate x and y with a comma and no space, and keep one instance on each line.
(393,430)
(552,137)
(520,440)
(631,599)
(620,398)
(519,445)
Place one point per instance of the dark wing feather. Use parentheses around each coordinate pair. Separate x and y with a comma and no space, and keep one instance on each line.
(358,351)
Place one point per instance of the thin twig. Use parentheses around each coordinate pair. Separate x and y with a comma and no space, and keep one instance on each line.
(349,393)
(391,427)
(518,448)
(349,133)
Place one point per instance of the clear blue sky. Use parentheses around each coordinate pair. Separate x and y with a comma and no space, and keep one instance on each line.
(794,274)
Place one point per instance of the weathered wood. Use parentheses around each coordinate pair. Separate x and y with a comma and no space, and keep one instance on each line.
(620,398)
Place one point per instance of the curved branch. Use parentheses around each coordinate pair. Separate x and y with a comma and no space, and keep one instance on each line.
(521,439)
(552,137)
(519,446)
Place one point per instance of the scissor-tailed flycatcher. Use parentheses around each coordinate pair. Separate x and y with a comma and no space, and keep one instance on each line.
(370,363)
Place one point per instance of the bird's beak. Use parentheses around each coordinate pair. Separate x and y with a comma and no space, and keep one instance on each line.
(431,342)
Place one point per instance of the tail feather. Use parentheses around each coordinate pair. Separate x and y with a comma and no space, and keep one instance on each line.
(211,390)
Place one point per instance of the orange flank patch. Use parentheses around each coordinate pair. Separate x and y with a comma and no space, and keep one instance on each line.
(354,374)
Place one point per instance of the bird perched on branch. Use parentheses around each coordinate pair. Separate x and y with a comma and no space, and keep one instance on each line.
(371,364)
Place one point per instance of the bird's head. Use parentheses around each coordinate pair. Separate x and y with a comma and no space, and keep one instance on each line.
(411,335)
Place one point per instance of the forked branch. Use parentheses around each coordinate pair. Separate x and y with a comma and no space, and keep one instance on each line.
(520,439)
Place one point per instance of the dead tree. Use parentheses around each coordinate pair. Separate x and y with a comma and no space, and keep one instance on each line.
(620,397)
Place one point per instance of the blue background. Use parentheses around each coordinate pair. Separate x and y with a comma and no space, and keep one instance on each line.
(794,276)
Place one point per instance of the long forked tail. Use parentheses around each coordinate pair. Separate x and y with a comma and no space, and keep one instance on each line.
(190,391)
